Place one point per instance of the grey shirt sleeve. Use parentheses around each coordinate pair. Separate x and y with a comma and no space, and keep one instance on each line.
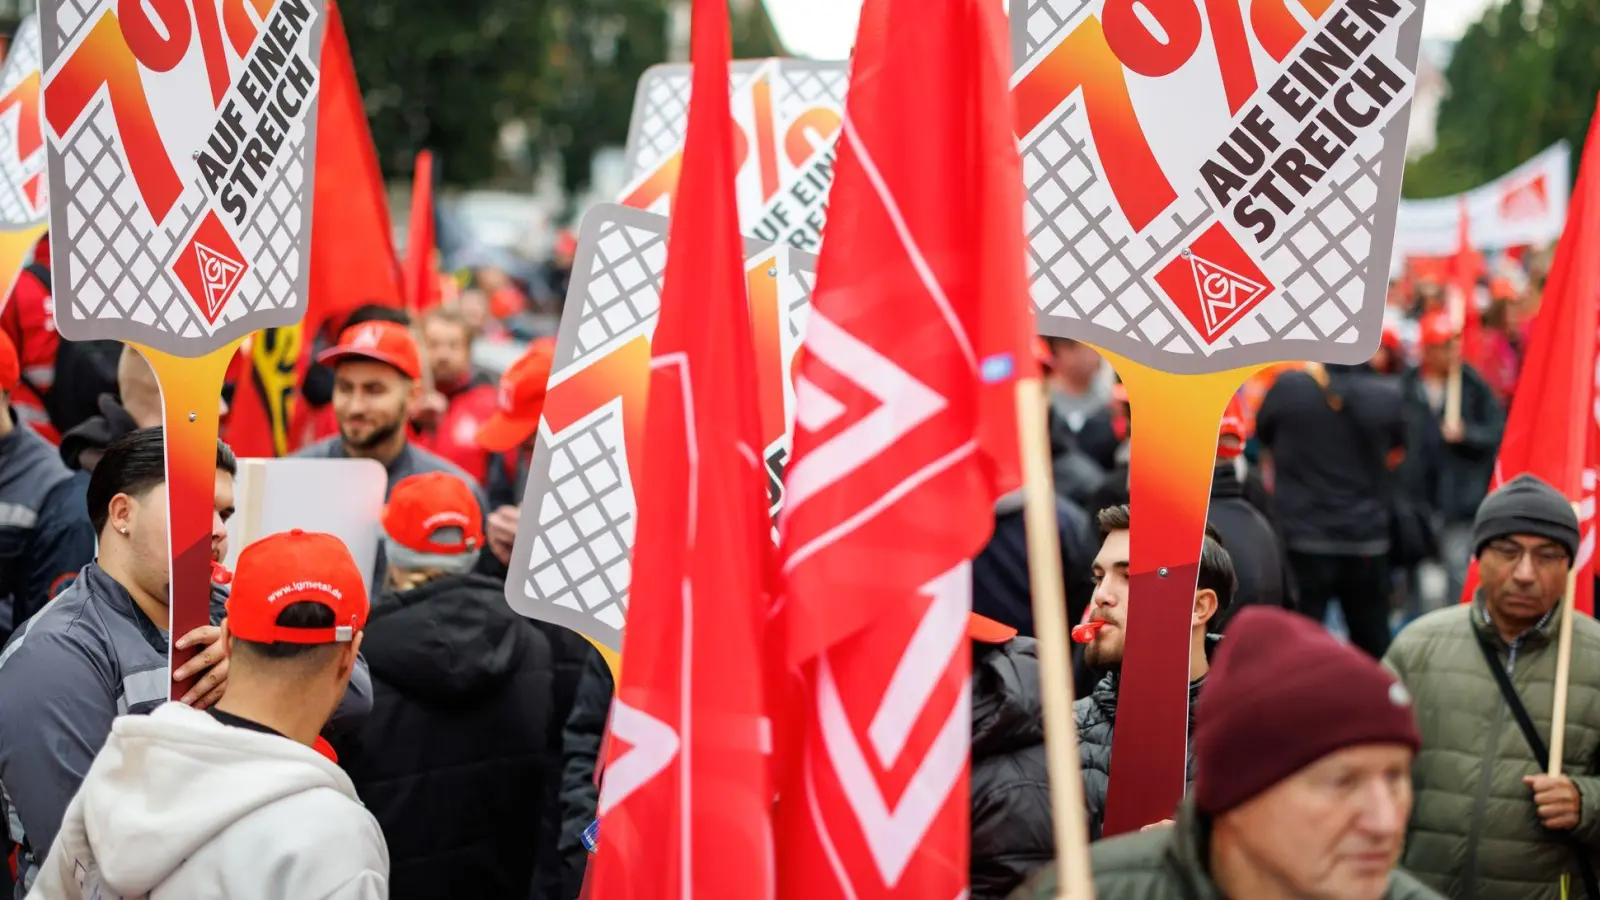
(55,714)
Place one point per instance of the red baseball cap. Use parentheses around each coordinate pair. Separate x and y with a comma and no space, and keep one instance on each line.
(521,399)
(385,342)
(10,366)
(422,506)
(1437,329)
(985,630)
(1232,427)
(296,567)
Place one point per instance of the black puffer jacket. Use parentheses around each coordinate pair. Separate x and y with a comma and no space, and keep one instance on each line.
(1096,715)
(1012,833)
(453,760)
(570,653)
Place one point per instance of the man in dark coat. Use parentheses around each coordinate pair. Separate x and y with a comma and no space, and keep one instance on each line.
(1449,466)
(1097,714)
(1301,783)
(1251,541)
(1012,830)
(580,786)
(455,759)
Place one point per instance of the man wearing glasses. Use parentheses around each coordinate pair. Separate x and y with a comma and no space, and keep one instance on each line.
(1488,822)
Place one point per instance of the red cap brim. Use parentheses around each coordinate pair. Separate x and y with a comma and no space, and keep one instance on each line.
(502,433)
(335,355)
(985,630)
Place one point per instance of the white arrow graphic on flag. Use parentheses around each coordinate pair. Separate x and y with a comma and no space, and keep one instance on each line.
(654,744)
(893,835)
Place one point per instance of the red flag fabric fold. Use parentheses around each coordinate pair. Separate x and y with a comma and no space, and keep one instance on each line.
(1551,429)
(685,807)
(905,436)
(421,281)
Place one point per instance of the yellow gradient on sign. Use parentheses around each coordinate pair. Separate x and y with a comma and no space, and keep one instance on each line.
(15,248)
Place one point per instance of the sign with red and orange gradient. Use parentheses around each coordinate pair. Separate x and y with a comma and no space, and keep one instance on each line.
(24,198)
(570,564)
(786,115)
(180,139)
(180,142)
(1212,187)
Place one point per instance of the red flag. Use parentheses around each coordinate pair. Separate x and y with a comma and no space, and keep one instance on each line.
(1465,265)
(1551,429)
(685,808)
(905,436)
(353,261)
(422,282)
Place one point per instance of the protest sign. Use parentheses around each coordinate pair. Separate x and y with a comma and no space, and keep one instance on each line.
(570,564)
(1208,187)
(24,196)
(1526,206)
(341,497)
(180,140)
(787,114)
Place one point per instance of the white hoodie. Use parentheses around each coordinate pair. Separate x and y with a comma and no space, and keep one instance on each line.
(179,806)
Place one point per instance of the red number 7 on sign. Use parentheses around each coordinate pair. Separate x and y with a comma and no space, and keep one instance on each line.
(117,45)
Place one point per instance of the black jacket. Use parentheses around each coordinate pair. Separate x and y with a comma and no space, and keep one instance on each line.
(453,760)
(1332,484)
(1096,716)
(1258,555)
(579,791)
(1451,478)
(1001,585)
(1012,831)
(570,654)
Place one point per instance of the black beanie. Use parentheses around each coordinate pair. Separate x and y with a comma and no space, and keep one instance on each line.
(1526,505)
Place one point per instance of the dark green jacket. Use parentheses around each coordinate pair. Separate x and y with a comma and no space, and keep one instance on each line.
(1474,829)
(1170,864)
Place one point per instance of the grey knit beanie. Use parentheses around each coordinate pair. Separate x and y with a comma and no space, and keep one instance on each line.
(1526,505)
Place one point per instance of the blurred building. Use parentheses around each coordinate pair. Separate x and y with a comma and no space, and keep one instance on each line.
(1432,88)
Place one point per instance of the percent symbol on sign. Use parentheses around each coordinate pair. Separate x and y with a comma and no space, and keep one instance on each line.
(111,55)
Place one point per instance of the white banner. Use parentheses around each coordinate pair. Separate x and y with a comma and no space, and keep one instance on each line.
(1527,205)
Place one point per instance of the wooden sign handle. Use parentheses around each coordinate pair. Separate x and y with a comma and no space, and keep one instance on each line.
(191,389)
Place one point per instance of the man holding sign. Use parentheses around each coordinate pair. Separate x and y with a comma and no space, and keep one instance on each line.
(100,650)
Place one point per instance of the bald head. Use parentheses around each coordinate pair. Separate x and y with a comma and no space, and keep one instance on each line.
(136,382)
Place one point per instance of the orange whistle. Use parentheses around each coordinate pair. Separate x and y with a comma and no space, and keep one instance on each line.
(1083,634)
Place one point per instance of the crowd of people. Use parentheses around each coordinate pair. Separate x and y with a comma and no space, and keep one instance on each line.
(426,741)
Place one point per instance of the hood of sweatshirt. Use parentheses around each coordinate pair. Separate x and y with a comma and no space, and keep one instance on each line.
(169,783)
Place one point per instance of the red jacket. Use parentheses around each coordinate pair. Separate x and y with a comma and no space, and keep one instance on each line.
(29,319)
(456,436)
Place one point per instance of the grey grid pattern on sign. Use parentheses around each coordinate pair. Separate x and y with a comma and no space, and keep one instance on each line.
(807,86)
(117,270)
(22,59)
(579,558)
(663,122)
(1080,268)
(271,240)
(1330,245)
(624,290)
(1044,19)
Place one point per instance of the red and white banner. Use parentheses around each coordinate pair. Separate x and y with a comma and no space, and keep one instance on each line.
(181,138)
(1527,205)
(905,434)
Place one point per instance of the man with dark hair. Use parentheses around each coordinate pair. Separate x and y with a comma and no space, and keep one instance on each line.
(1097,713)
(377,371)
(1491,823)
(44,536)
(237,803)
(99,650)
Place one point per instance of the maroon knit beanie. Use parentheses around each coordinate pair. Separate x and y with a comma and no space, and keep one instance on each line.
(1283,693)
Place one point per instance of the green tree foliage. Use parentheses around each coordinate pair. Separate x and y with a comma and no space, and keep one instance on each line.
(448,74)
(1523,77)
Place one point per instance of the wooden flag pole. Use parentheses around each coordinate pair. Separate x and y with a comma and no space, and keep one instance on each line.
(1055,660)
(1558,712)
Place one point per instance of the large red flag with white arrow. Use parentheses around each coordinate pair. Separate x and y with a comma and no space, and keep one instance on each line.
(686,801)
(1551,429)
(905,435)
